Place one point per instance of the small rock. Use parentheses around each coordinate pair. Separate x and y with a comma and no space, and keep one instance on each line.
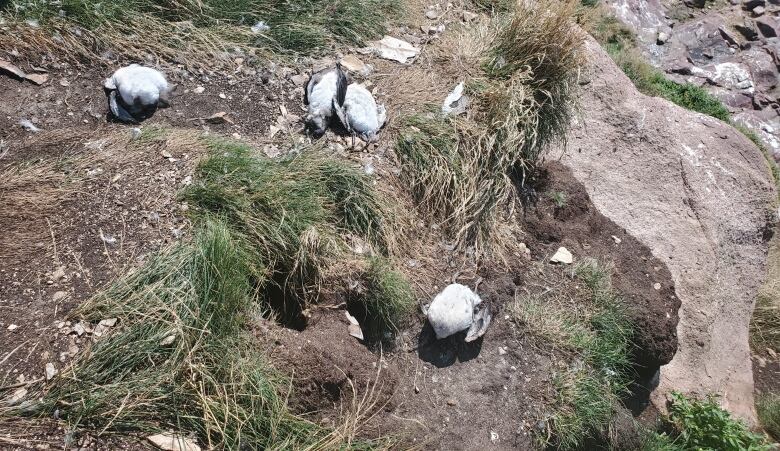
(355,331)
(219,118)
(78,328)
(199,90)
(109,322)
(452,402)
(431,14)
(469,16)
(299,80)
(662,38)
(29,126)
(64,83)
(759,10)
(394,49)
(38,79)
(523,248)
(761,361)
(58,274)
(172,442)
(563,256)
(771,353)
(50,371)
(135,134)
(493,436)
(7,67)
(17,396)
(168,340)
(222,95)
(12,327)
(59,295)
(354,64)
(165,153)
(616,239)
(656,286)
(501,350)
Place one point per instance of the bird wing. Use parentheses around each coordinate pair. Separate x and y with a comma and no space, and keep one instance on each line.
(341,112)
(341,84)
(118,111)
(313,81)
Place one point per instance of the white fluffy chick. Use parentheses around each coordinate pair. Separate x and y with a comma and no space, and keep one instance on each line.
(135,92)
(360,114)
(456,309)
(323,90)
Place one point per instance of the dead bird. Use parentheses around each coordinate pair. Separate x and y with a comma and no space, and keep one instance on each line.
(360,114)
(455,309)
(324,89)
(135,92)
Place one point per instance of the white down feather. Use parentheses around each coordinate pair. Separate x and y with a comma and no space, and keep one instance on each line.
(138,83)
(363,116)
(452,310)
(322,94)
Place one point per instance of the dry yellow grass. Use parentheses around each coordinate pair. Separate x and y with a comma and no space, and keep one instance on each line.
(765,327)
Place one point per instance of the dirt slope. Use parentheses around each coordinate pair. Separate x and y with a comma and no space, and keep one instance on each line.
(700,196)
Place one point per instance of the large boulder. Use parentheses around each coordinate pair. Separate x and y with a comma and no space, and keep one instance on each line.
(700,196)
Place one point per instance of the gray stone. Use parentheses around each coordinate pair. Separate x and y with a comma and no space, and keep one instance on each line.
(717,259)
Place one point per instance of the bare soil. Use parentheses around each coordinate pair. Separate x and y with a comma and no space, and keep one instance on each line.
(100,203)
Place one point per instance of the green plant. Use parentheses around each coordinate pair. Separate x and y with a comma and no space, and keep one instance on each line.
(267,234)
(599,339)
(388,300)
(559,198)
(703,425)
(768,408)
(199,32)
(463,170)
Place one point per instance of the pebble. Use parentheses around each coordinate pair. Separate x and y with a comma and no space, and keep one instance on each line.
(12,327)
(50,371)
(562,256)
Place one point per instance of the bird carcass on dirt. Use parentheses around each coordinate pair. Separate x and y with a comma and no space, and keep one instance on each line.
(324,89)
(455,309)
(135,92)
(360,114)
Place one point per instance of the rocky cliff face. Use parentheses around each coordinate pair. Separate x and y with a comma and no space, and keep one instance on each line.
(732,49)
(700,196)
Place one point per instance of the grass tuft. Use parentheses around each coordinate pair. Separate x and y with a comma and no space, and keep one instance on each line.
(598,340)
(207,30)
(768,408)
(463,170)
(182,356)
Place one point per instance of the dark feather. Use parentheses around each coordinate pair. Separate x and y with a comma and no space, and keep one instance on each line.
(341,85)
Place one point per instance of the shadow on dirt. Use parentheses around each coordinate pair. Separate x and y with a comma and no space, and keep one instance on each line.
(445,352)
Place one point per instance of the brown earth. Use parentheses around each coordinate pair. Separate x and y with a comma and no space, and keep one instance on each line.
(494,393)
(445,394)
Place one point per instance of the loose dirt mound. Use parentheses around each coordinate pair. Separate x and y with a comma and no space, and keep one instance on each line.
(699,195)
(643,281)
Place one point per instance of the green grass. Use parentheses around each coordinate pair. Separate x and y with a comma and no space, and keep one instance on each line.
(598,339)
(267,233)
(559,198)
(210,28)
(388,301)
(464,171)
(768,408)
